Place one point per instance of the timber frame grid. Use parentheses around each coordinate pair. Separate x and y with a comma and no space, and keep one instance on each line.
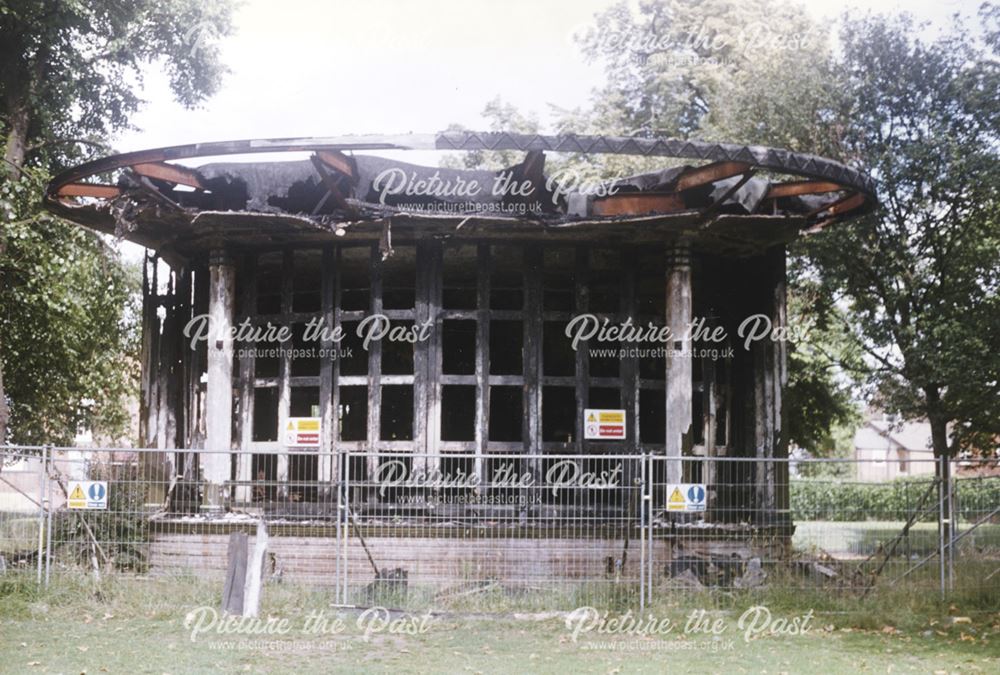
(632,387)
(553,281)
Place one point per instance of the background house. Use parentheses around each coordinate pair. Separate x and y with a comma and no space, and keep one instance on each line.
(888,449)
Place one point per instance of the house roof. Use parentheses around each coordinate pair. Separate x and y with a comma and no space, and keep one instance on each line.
(913,436)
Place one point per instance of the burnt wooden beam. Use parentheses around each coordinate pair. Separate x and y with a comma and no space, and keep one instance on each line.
(703,175)
(801,187)
(145,186)
(840,206)
(333,190)
(638,204)
(170,173)
(714,207)
(339,162)
(97,190)
(532,168)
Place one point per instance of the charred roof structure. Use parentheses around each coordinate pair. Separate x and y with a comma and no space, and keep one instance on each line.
(492,268)
(732,200)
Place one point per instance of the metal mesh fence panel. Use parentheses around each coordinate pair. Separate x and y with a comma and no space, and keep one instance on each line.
(552,531)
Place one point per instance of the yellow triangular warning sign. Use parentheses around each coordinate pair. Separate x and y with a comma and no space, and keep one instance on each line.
(676,497)
(77,492)
(591,418)
(291,426)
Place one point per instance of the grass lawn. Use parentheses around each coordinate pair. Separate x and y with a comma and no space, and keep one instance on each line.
(861,538)
(139,627)
(115,644)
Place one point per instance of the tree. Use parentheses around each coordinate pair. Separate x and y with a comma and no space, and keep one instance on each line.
(502,117)
(918,278)
(921,274)
(760,72)
(69,316)
(70,74)
(820,394)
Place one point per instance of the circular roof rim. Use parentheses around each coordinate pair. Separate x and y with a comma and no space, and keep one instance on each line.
(775,159)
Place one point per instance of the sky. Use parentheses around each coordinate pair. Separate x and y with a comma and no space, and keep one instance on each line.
(325,68)
(302,68)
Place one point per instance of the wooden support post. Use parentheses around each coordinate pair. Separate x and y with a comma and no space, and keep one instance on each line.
(253,589)
(374,373)
(770,378)
(147,396)
(244,584)
(244,426)
(629,368)
(236,572)
(219,398)
(435,356)
(678,320)
(482,360)
(710,419)
(581,304)
(284,379)
(779,303)
(326,409)
(426,359)
(341,459)
(196,369)
(532,425)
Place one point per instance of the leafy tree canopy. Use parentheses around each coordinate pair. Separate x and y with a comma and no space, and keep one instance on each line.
(71,74)
(907,296)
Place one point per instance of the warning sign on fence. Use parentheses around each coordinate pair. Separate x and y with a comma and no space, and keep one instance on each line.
(87,494)
(686,497)
(603,424)
(302,432)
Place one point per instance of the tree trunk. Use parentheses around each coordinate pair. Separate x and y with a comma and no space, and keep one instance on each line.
(4,410)
(17,136)
(14,149)
(939,441)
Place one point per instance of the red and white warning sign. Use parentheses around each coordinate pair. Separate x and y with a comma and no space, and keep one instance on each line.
(302,432)
(603,424)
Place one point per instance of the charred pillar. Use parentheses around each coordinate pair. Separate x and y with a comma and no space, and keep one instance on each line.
(219,398)
(770,378)
(678,375)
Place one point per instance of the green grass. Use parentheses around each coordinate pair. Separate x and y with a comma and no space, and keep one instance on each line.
(133,625)
(861,538)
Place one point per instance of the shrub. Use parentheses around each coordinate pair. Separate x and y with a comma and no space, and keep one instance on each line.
(814,499)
